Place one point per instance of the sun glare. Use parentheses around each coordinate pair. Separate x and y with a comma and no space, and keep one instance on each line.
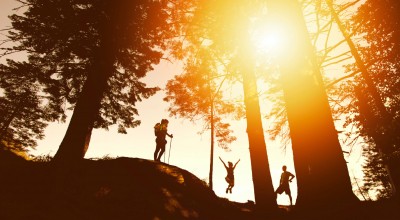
(268,41)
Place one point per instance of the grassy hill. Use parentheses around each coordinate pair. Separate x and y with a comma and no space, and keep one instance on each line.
(122,188)
(133,188)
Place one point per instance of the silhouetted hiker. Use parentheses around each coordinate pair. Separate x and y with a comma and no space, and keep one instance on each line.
(161,131)
(286,177)
(230,177)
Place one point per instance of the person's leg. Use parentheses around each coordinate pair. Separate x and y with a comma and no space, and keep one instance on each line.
(158,148)
(231,185)
(162,150)
(276,193)
(227,181)
(289,193)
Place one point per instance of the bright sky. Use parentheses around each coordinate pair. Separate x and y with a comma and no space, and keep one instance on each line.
(189,150)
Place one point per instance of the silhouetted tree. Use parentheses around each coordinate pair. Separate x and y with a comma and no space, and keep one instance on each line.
(359,95)
(196,95)
(95,53)
(224,27)
(378,24)
(24,112)
(316,149)
(376,178)
(255,132)
(371,97)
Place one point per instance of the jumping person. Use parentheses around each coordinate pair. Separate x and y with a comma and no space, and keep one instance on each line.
(286,177)
(161,131)
(230,177)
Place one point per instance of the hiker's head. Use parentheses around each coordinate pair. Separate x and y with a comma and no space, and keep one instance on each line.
(230,164)
(164,121)
(284,168)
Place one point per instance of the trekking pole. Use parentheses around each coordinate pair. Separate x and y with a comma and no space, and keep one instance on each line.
(170,146)
(164,156)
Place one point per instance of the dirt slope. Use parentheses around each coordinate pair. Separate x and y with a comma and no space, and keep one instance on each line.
(122,188)
(132,188)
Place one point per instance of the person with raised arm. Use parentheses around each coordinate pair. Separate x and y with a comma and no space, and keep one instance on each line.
(230,177)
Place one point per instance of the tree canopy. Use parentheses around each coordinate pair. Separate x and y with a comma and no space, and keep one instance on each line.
(25,112)
(95,53)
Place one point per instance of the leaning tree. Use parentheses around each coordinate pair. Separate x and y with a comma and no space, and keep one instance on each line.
(94,54)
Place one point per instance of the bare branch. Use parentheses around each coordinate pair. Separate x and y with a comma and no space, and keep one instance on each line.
(342,78)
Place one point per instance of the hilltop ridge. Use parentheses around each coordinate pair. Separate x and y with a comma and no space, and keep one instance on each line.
(134,188)
(121,188)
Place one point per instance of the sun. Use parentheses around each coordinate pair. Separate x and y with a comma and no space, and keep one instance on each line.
(269,39)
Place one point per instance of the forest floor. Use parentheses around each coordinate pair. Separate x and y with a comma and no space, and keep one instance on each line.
(133,188)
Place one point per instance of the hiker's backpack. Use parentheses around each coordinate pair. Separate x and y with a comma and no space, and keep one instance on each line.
(157,129)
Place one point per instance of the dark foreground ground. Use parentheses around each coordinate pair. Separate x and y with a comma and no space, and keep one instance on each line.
(132,188)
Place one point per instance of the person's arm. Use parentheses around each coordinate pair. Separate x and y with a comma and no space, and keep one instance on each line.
(170,135)
(223,162)
(236,164)
(291,177)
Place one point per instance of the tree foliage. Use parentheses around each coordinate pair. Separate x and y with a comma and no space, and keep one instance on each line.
(222,28)
(192,94)
(197,95)
(25,112)
(64,40)
(93,54)
(378,25)
(376,178)
(367,94)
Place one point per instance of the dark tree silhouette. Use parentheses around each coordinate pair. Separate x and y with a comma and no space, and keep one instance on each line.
(24,112)
(95,53)
(376,178)
(224,27)
(196,95)
(316,149)
(262,180)
(377,89)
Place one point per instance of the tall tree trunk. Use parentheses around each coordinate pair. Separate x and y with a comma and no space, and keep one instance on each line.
(321,170)
(384,139)
(262,181)
(77,138)
(210,181)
